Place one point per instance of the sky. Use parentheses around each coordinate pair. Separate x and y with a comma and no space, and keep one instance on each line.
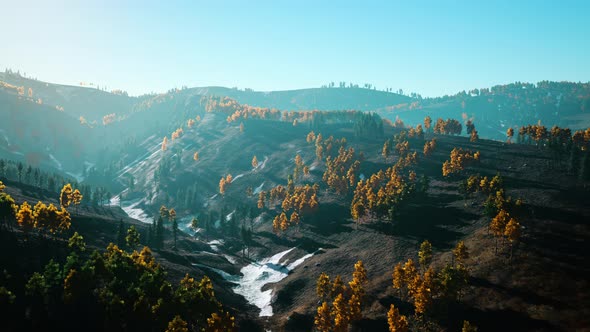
(428,47)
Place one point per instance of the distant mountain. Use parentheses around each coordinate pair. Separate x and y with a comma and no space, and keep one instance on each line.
(86,125)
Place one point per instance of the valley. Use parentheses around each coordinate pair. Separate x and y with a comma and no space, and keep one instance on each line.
(271,190)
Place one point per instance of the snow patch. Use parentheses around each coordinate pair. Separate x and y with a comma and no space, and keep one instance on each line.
(258,189)
(57,163)
(256,275)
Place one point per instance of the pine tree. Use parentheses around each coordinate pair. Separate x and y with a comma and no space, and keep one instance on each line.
(425,254)
(132,238)
(121,234)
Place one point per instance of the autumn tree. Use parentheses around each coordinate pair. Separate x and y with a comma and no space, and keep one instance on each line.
(196,156)
(25,217)
(65,196)
(164,143)
(427,123)
(323,318)
(468,327)
(323,286)
(429,147)
(461,253)
(498,225)
(510,134)
(512,232)
(396,321)
(177,324)
(398,277)
(77,198)
(254,162)
(459,159)
(261,199)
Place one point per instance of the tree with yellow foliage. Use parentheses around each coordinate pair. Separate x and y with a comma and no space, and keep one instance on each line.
(164,143)
(196,156)
(396,321)
(468,327)
(512,232)
(65,196)
(461,253)
(77,198)
(498,225)
(254,162)
(190,123)
(261,199)
(25,217)
(398,277)
(424,291)
(323,286)
(427,123)
(177,324)
(510,134)
(340,314)
(294,220)
(323,318)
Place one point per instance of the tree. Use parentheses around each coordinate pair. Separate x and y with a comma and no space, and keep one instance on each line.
(398,277)
(194,224)
(254,162)
(76,242)
(25,217)
(461,253)
(174,225)
(261,198)
(397,322)
(498,225)
(120,234)
(386,150)
(427,123)
(8,208)
(512,232)
(177,324)
(510,134)
(323,286)
(323,318)
(468,327)
(19,169)
(77,198)
(340,314)
(425,254)
(160,232)
(196,156)
(132,238)
(65,196)
(164,143)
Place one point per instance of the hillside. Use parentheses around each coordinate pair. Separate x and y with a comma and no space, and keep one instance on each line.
(270,190)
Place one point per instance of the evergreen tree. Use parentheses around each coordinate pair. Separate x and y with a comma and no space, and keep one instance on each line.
(121,234)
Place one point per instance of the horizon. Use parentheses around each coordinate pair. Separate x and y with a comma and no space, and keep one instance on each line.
(152,48)
(405,92)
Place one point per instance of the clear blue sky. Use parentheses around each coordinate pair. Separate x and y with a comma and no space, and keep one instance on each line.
(429,47)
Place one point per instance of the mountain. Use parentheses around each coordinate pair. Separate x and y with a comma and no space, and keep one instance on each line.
(274,192)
